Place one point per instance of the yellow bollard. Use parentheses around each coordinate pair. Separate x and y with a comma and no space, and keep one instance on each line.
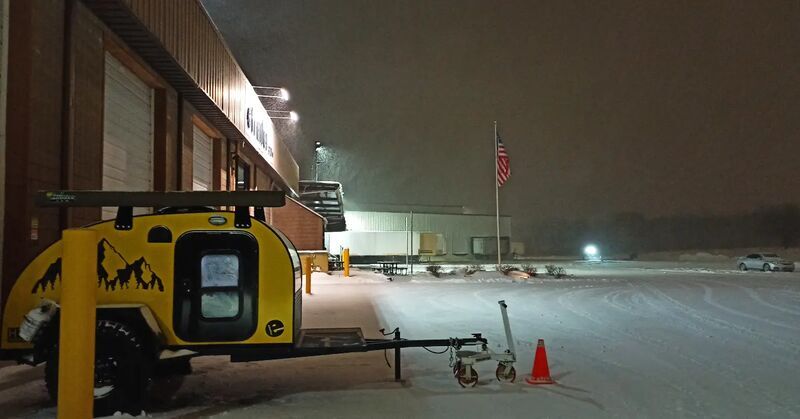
(307,270)
(78,319)
(346,261)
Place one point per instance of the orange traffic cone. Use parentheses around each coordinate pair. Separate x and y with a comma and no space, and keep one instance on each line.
(540,374)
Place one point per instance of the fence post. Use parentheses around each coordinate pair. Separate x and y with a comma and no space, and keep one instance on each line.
(78,323)
(346,261)
(307,271)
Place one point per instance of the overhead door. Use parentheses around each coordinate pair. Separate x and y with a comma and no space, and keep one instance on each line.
(202,153)
(127,132)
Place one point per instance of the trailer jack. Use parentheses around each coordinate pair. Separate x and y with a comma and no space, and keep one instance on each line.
(463,368)
(462,360)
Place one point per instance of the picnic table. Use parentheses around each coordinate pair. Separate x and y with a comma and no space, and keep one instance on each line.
(390,267)
(335,263)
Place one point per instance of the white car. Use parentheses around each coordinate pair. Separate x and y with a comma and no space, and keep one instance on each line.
(765,262)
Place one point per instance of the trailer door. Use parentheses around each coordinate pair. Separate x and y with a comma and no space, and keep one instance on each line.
(216,286)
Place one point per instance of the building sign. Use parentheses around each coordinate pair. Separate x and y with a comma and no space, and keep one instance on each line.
(259,131)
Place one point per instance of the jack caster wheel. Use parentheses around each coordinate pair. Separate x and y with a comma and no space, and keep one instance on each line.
(465,381)
(505,373)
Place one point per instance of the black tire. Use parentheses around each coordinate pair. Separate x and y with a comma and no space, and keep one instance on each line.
(465,382)
(742,267)
(505,373)
(766,268)
(122,371)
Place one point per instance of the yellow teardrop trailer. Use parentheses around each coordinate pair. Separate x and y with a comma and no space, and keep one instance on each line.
(188,280)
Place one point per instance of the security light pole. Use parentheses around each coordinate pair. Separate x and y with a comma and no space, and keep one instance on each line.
(317,146)
(407,246)
(411,271)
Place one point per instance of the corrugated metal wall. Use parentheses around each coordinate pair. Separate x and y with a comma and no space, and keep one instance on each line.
(189,35)
(457,229)
(186,32)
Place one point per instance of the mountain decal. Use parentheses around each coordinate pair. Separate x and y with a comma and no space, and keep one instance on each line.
(109,261)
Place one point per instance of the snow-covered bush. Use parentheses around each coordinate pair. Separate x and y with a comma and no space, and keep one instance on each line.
(529,269)
(471,269)
(556,271)
(435,270)
(504,268)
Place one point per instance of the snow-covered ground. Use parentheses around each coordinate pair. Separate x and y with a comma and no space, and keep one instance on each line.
(628,339)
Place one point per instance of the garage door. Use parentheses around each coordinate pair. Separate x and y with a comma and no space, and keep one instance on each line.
(202,153)
(127,132)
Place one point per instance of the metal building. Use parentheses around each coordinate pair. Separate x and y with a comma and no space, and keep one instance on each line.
(375,234)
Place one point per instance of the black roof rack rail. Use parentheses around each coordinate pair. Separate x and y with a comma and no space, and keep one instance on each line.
(125,201)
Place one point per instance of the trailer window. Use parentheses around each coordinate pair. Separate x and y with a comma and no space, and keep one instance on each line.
(219,271)
(220,304)
(219,286)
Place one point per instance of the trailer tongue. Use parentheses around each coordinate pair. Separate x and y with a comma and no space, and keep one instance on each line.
(331,341)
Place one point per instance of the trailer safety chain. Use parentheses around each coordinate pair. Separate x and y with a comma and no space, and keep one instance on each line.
(453,343)
(449,347)
(386,358)
(452,361)
(385,355)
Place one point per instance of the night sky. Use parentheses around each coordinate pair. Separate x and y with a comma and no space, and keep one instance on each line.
(660,108)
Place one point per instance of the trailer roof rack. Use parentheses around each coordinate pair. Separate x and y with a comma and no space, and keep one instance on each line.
(125,201)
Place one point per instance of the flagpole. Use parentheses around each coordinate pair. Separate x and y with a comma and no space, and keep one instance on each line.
(496,194)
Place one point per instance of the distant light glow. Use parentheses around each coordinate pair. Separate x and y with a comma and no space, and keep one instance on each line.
(294,116)
(590,250)
(317,144)
(284,94)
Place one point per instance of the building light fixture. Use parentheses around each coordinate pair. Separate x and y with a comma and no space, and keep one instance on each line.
(274,92)
(290,115)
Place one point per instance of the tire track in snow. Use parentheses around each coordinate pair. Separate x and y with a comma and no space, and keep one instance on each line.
(630,372)
(656,345)
(756,297)
(525,320)
(731,374)
(708,297)
(634,298)
(725,325)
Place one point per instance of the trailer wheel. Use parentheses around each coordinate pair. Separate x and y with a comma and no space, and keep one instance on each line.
(122,371)
(505,373)
(465,381)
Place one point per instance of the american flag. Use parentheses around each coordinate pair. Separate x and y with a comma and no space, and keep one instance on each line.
(503,163)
